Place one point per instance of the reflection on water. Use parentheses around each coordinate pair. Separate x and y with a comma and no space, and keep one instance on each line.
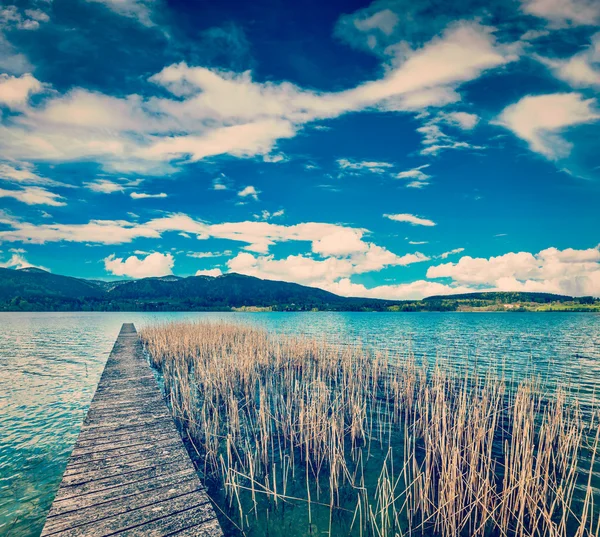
(50,364)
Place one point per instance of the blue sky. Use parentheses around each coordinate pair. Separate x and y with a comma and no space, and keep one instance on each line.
(393,149)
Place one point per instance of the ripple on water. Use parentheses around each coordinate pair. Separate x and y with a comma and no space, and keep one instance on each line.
(50,364)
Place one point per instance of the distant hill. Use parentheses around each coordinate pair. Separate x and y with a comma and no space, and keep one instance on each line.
(505,297)
(511,301)
(38,290)
(37,283)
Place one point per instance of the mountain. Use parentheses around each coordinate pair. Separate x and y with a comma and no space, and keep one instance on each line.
(33,289)
(41,291)
(37,283)
(505,297)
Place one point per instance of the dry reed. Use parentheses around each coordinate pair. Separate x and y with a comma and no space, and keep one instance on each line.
(386,446)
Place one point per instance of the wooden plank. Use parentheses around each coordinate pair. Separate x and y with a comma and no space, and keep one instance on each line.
(129,473)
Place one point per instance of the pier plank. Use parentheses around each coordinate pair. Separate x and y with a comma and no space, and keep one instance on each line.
(129,473)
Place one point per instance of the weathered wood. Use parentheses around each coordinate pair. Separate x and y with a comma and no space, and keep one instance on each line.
(129,473)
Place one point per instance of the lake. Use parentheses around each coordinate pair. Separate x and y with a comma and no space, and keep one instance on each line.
(50,364)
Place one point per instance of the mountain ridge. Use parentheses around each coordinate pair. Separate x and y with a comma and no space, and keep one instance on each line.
(33,289)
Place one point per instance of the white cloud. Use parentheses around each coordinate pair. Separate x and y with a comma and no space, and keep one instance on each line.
(343,241)
(23,174)
(445,255)
(104,186)
(155,264)
(336,251)
(275,157)
(417,177)
(213,112)
(12,61)
(16,90)
(95,231)
(321,273)
(383,21)
(33,195)
(415,173)
(258,236)
(249,191)
(580,70)
(205,255)
(403,291)
(247,140)
(268,215)
(462,53)
(141,10)
(569,271)
(17,261)
(435,140)
(365,165)
(220,183)
(541,119)
(12,18)
(214,272)
(37,14)
(461,120)
(411,219)
(562,12)
(143,195)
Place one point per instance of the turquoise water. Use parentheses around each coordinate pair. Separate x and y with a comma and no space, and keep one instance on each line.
(50,364)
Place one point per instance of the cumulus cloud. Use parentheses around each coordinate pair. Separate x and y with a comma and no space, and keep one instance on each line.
(17,261)
(212,112)
(564,12)
(403,291)
(16,90)
(29,19)
(33,195)
(104,186)
(214,272)
(411,219)
(541,119)
(155,264)
(462,120)
(336,251)
(580,70)
(220,183)
(258,236)
(416,177)
(268,215)
(323,272)
(569,271)
(384,21)
(249,192)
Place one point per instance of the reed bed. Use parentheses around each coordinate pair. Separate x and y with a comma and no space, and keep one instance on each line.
(303,437)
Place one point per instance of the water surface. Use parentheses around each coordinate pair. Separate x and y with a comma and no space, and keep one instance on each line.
(50,364)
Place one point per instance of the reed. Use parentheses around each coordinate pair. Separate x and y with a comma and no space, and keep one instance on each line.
(312,438)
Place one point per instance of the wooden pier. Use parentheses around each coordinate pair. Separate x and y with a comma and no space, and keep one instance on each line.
(129,473)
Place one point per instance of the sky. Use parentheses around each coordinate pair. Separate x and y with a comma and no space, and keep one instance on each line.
(395,149)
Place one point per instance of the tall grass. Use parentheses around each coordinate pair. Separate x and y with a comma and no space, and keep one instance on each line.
(383,446)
